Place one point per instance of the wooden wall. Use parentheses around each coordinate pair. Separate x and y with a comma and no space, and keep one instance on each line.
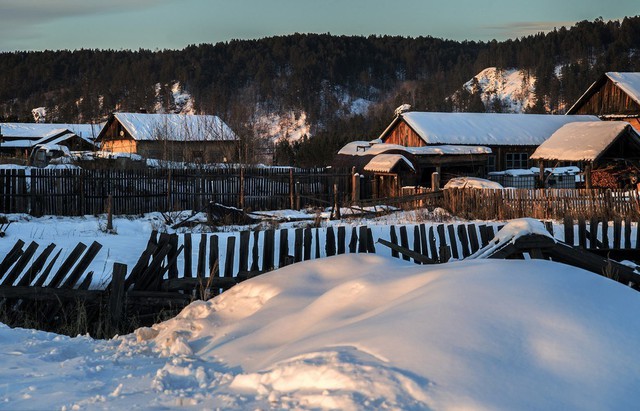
(404,135)
(609,99)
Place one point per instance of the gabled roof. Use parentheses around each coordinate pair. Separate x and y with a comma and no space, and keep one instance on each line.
(175,127)
(384,163)
(627,82)
(36,131)
(492,129)
(583,141)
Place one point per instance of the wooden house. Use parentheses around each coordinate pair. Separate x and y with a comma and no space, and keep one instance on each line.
(19,139)
(172,137)
(614,96)
(511,138)
(608,151)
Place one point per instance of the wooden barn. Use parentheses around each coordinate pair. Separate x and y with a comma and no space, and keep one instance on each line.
(607,151)
(171,137)
(511,138)
(614,96)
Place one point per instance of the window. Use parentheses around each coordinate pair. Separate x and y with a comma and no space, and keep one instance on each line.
(491,163)
(516,160)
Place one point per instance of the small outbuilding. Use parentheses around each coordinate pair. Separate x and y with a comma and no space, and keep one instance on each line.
(607,151)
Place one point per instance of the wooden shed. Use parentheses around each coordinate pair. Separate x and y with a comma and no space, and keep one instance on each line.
(511,138)
(614,96)
(608,151)
(172,137)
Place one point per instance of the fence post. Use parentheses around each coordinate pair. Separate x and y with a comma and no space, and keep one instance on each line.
(336,203)
(110,213)
(297,195)
(435,181)
(241,200)
(291,188)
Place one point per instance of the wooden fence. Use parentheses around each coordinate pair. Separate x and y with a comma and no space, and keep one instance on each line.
(542,203)
(173,270)
(80,192)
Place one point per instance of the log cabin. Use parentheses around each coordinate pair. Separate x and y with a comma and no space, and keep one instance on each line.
(614,96)
(171,137)
(511,138)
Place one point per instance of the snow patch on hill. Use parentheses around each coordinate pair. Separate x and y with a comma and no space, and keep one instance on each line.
(513,88)
(39,114)
(180,100)
(291,126)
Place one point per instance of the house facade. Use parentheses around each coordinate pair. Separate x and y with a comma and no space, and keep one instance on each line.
(614,96)
(171,137)
(511,138)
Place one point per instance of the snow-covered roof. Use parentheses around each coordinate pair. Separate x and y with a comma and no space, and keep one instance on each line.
(384,163)
(367,148)
(37,131)
(581,141)
(57,139)
(497,129)
(175,127)
(627,82)
(17,144)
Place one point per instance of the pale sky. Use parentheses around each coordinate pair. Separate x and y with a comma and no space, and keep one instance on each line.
(174,24)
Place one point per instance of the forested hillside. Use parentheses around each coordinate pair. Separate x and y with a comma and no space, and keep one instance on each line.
(344,87)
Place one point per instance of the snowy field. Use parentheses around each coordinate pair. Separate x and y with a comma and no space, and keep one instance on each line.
(352,332)
(356,332)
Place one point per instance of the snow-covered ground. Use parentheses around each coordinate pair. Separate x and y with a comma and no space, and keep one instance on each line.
(356,332)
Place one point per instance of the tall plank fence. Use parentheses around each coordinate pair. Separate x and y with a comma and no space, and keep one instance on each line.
(80,192)
(555,204)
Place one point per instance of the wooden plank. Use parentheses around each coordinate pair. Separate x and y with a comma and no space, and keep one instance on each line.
(82,265)
(605,233)
(151,278)
(453,244)
(140,265)
(464,240)
(66,265)
(188,270)
(394,240)
(12,256)
(297,245)
(593,233)
(255,253)
(416,241)
(582,233)
(40,279)
(371,248)
(617,232)
(37,265)
(342,234)
(116,294)
(230,256)
(201,271)
(317,243)
(423,240)
(404,240)
(283,259)
(568,231)
(308,241)
(353,242)
(244,251)
(473,238)
(330,244)
(363,239)
(20,265)
(173,267)
(407,254)
(627,232)
(433,248)
(268,250)
(442,240)
(214,257)
(549,226)
(484,235)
